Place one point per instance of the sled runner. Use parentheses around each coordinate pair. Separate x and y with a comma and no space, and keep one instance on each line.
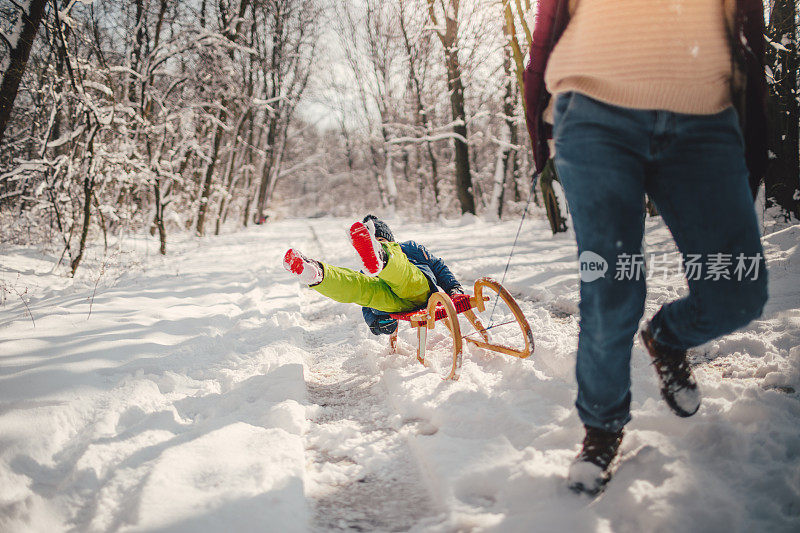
(443,307)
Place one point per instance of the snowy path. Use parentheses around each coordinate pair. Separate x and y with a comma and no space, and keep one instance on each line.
(361,475)
(208,392)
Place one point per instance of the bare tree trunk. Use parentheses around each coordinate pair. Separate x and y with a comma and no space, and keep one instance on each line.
(102,222)
(506,156)
(228,178)
(510,107)
(247,203)
(463,173)
(266,171)
(422,114)
(138,51)
(272,129)
(88,192)
(159,202)
(512,166)
(233,183)
(348,145)
(18,54)
(783,172)
(384,197)
(276,166)
(232,34)
(159,218)
(388,175)
(500,174)
(250,189)
(455,87)
(209,177)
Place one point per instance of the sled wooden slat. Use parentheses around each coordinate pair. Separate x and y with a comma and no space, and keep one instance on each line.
(443,307)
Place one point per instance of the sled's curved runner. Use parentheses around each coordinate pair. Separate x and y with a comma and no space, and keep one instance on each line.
(443,307)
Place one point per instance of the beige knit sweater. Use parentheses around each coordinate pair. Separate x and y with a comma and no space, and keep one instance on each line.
(647,54)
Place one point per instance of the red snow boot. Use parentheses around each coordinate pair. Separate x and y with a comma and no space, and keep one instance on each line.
(308,270)
(369,250)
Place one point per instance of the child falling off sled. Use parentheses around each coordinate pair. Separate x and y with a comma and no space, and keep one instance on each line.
(396,277)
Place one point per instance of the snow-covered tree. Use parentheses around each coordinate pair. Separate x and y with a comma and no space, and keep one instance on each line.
(24,19)
(782,180)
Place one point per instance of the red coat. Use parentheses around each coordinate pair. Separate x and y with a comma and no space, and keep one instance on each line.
(552,17)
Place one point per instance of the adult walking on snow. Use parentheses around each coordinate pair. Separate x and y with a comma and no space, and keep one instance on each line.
(396,277)
(644,103)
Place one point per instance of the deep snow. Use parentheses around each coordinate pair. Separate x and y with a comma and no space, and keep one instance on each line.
(208,391)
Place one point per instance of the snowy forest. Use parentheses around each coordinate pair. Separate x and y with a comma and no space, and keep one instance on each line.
(175,116)
(163,368)
(118,117)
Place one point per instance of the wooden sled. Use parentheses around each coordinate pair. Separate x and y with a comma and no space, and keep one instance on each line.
(443,307)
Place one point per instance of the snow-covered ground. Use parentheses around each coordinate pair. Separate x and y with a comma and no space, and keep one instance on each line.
(209,392)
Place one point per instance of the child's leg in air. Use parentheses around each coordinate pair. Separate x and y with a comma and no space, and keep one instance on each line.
(405,280)
(386,260)
(348,286)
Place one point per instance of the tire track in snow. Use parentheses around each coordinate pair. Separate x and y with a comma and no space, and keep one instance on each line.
(361,475)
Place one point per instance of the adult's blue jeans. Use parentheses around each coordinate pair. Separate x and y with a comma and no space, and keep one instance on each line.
(692,167)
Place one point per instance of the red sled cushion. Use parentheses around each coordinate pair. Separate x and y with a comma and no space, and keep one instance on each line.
(460,301)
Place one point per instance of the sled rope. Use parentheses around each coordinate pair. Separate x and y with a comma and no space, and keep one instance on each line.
(487,329)
(513,246)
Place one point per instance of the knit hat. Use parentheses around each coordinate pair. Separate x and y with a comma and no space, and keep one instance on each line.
(382,231)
